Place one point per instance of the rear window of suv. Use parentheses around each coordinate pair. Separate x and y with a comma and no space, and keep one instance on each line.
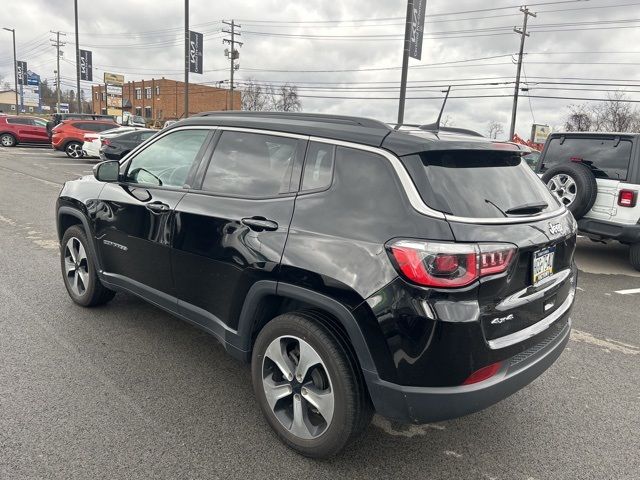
(478,184)
(607,157)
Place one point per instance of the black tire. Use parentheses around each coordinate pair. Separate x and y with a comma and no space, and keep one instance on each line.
(93,293)
(586,188)
(352,408)
(634,256)
(73,150)
(8,140)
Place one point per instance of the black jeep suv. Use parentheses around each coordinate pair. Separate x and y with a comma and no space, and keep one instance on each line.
(420,274)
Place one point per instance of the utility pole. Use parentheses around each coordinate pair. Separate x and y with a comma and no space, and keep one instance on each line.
(523,34)
(405,62)
(75,9)
(186,58)
(15,66)
(233,55)
(56,43)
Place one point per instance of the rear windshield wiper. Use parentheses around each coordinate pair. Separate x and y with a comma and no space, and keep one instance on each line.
(527,208)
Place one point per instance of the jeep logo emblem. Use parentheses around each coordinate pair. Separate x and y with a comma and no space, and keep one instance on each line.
(555,228)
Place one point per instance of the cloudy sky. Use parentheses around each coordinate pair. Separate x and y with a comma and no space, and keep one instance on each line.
(345,55)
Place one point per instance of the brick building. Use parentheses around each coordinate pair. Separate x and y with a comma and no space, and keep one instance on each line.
(164,99)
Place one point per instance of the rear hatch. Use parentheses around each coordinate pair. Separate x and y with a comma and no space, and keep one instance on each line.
(494,197)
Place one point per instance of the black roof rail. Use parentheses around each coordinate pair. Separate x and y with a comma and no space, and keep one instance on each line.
(313,117)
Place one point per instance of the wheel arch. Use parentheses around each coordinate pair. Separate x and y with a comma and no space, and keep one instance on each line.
(69,216)
(268,298)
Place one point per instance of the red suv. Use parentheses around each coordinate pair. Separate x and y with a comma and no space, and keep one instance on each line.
(68,136)
(22,129)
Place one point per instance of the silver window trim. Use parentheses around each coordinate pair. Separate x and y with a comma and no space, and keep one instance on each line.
(403,175)
(408,185)
(143,146)
(264,132)
(416,200)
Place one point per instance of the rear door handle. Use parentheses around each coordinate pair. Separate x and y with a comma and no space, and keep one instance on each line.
(158,207)
(260,224)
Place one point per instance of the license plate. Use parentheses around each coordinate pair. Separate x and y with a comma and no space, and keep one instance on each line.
(543,264)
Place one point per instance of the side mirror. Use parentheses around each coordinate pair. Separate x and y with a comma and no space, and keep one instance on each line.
(107,171)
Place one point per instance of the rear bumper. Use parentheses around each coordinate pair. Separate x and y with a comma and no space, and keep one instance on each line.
(431,404)
(609,230)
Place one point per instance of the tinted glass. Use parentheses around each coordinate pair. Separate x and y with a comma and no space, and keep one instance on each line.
(146,135)
(251,165)
(167,161)
(20,121)
(318,167)
(39,122)
(607,157)
(476,183)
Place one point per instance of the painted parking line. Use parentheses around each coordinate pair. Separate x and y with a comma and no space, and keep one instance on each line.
(628,292)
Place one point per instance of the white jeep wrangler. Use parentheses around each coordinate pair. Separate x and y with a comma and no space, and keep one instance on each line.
(597,177)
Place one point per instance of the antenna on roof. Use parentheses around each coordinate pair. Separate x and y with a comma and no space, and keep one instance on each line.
(435,127)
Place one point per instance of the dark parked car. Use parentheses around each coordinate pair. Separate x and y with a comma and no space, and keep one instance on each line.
(357,267)
(114,148)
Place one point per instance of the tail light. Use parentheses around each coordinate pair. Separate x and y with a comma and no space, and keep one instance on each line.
(105,141)
(627,198)
(449,265)
(483,374)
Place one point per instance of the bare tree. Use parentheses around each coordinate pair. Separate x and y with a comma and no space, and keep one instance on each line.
(287,99)
(494,128)
(255,97)
(580,119)
(262,97)
(447,121)
(614,115)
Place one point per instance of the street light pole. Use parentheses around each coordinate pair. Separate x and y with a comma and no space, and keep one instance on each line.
(15,66)
(79,100)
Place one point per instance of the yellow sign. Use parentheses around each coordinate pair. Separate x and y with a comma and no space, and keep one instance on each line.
(113,79)
(114,111)
(539,133)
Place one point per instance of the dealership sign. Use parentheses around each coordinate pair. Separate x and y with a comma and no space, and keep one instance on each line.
(195,52)
(539,133)
(86,65)
(113,79)
(114,90)
(417,28)
(22,72)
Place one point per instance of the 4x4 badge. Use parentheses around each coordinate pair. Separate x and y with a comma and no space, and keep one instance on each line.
(555,228)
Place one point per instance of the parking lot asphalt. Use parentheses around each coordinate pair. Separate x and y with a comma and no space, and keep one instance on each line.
(128,391)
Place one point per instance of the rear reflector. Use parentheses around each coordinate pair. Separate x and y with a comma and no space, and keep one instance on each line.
(483,374)
(627,198)
(449,265)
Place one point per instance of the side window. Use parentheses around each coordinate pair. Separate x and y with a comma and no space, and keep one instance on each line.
(167,162)
(101,127)
(20,121)
(318,166)
(146,135)
(84,126)
(251,165)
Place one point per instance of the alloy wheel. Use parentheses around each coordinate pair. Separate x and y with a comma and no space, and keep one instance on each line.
(74,150)
(297,387)
(7,141)
(76,266)
(563,187)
